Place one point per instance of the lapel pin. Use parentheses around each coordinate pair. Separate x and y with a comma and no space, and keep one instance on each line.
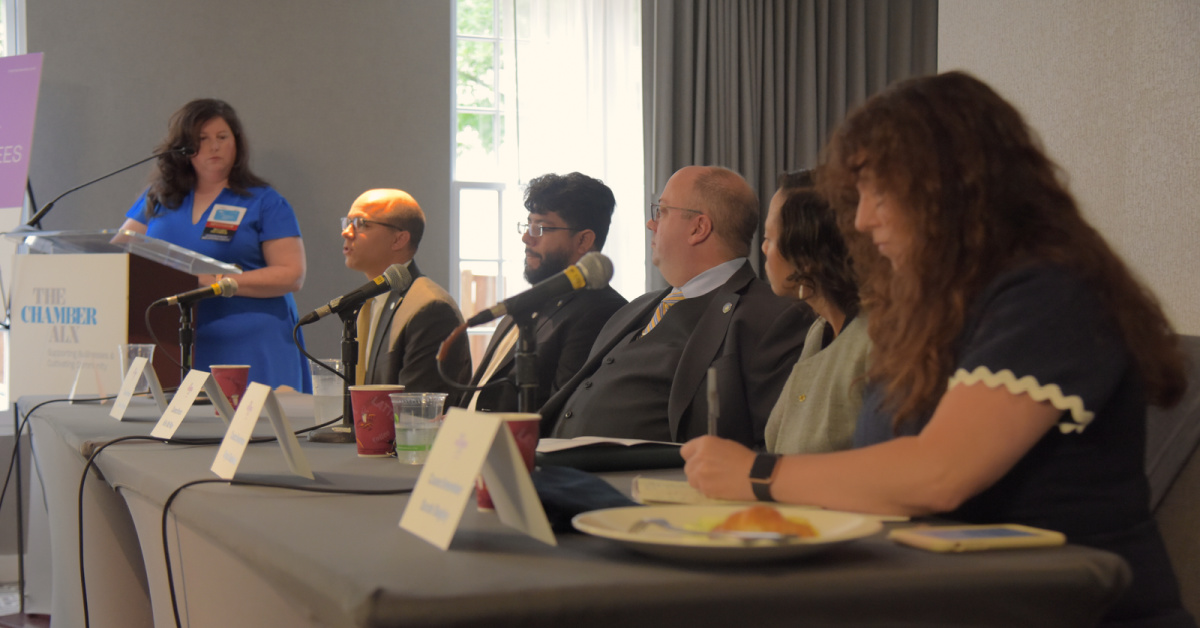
(726,308)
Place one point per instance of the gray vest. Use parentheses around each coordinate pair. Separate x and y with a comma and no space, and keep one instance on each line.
(626,397)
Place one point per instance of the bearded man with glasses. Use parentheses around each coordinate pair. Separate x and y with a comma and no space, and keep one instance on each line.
(400,332)
(569,216)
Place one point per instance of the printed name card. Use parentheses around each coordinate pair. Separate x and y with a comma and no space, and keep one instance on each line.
(140,366)
(189,388)
(470,444)
(257,398)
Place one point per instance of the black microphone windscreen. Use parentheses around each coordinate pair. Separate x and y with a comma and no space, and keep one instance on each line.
(398,277)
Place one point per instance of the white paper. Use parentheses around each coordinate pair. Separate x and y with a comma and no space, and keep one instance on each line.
(547,445)
(191,385)
(466,446)
(219,400)
(511,489)
(241,429)
(128,385)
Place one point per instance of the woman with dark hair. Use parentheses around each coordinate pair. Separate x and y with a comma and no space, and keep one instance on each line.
(806,257)
(1014,352)
(206,198)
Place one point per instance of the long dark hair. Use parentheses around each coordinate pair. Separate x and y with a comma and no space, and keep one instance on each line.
(810,241)
(175,178)
(981,197)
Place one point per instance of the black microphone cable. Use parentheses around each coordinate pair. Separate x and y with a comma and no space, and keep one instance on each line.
(308,489)
(170,441)
(300,345)
(154,337)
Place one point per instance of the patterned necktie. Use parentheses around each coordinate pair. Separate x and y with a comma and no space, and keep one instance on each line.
(364,336)
(671,299)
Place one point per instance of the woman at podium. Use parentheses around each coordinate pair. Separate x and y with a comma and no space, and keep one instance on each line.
(205,197)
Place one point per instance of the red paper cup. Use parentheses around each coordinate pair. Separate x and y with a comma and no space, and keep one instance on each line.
(374,425)
(525,429)
(232,378)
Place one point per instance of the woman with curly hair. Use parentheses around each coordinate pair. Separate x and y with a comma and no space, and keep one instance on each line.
(204,197)
(1014,352)
(806,258)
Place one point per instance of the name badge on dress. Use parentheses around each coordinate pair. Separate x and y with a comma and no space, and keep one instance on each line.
(223,223)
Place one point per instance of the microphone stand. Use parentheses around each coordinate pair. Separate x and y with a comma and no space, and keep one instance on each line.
(344,433)
(186,337)
(36,220)
(524,362)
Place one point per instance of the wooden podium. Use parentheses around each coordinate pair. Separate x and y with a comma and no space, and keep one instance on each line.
(78,295)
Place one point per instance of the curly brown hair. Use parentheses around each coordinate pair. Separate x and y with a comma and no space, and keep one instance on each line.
(810,241)
(981,197)
(175,178)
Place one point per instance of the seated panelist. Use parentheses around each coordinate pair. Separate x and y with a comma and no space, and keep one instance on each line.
(569,216)
(807,258)
(647,371)
(400,332)
(1013,352)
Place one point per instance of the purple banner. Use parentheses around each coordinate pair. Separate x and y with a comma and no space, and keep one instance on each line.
(20,77)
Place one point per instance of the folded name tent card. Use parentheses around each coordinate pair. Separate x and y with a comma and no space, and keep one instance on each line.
(140,366)
(177,410)
(470,444)
(257,398)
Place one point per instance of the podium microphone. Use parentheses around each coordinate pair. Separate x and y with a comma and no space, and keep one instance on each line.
(186,151)
(395,279)
(226,287)
(592,273)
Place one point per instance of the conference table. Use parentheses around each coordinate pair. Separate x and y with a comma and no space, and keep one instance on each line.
(252,556)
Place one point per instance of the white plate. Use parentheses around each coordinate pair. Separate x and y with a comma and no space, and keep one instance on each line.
(614,523)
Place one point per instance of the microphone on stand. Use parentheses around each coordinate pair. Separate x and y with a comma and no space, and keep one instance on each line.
(35,221)
(226,287)
(395,279)
(592,273)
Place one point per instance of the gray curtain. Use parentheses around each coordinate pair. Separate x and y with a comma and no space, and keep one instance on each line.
(758,85)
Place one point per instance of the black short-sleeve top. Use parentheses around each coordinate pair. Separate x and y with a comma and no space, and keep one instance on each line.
(1041,331)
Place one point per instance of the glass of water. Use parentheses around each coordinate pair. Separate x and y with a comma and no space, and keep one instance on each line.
(418,417)
(327,390)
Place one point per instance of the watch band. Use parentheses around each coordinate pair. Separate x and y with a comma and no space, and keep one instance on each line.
(762,474)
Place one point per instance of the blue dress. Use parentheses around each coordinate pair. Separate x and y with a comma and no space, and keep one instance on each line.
(1040,330)
(238,330)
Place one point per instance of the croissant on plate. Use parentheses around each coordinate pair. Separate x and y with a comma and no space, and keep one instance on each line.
(765,519)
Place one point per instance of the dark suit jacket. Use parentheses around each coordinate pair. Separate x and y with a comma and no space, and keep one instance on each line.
(566,330)
(750,335)
(405,351)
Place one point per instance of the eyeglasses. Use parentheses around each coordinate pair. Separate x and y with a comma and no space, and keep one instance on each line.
(656,211)
(536,229)
(359,222)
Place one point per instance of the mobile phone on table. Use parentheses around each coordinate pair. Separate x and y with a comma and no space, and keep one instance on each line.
(973,538)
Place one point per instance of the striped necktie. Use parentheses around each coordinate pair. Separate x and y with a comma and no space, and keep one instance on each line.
(671,299)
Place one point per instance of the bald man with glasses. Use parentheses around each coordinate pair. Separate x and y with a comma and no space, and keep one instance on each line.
(569,216)
(400,332)
(646,374)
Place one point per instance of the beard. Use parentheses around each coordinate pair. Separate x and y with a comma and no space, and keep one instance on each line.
(553,263)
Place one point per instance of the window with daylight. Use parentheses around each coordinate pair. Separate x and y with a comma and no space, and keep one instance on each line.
(543,86)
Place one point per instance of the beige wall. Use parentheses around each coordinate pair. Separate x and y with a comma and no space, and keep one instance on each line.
(1113,87)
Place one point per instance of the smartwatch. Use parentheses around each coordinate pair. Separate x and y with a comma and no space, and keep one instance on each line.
(762,474)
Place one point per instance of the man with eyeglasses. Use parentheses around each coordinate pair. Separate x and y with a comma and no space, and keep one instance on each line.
(400,332)
(569,216)
(646,374)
